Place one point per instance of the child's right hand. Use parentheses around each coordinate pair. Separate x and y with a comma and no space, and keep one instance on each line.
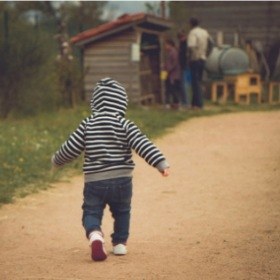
(165,172)
(54,167)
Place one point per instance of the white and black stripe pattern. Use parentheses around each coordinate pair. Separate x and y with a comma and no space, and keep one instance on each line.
(110,97)
(106,137)
(141,144)
(73,147)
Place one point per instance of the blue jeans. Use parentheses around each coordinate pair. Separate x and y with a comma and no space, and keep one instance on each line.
(117,194)
(185,87)
(196,67)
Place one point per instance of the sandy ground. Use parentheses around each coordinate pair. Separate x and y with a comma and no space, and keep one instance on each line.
(216,217)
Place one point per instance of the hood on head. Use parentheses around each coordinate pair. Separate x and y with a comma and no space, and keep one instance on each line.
(109,96)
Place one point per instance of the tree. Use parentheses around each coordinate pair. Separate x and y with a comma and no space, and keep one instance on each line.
(36,59)
(79,17)
(152,8)
(26,80)
(84,15)
(69,18)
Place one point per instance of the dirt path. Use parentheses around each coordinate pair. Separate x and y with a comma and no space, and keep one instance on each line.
(216,217)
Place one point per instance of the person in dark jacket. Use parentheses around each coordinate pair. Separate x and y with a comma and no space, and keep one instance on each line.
(184,69)
(173,81)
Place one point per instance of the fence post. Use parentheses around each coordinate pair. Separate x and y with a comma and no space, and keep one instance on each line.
(6,26)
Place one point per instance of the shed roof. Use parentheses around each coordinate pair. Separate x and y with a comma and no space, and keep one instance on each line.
(123,22)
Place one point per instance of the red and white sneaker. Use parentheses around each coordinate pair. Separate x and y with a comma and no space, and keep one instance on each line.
(98,252)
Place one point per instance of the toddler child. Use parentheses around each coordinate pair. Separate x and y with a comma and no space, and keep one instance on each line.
(107,140)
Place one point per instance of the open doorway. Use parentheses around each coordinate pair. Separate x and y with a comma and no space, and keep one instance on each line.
(150,68)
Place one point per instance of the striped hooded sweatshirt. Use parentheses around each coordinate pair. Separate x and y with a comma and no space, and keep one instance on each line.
(107,138)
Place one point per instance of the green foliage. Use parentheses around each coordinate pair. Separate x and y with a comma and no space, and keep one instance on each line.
(26,147)
(152,7)
(180,14)
(70,82)
(32,78)
(83,16)
(26,73)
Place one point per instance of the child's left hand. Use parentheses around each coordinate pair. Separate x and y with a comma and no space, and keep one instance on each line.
(165,172)
(53,170)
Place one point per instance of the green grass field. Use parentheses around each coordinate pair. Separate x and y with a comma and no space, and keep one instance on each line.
(26,145)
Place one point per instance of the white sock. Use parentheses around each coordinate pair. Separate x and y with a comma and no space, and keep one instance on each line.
(96,235)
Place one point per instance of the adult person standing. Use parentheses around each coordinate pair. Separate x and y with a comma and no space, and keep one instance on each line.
(198,39)
(173,81)
(183,64)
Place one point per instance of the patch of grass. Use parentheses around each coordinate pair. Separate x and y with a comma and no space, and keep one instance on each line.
(155,121)
(27,145)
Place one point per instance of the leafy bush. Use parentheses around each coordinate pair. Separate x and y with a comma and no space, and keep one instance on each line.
(27,54)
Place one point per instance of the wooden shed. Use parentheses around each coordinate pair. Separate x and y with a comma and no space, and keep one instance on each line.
(128,49)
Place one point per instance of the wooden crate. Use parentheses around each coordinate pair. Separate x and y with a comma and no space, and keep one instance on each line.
(273,86)
(215,86)
(245,85)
